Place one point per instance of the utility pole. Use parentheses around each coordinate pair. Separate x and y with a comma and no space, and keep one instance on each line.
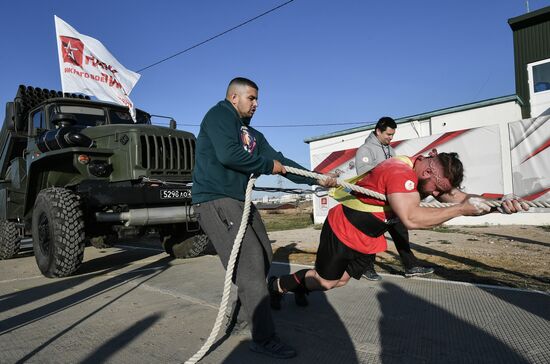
(279,182)
(280,186)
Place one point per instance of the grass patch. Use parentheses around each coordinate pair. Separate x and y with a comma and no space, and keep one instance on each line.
(545,227)
(444,229)
(278,222)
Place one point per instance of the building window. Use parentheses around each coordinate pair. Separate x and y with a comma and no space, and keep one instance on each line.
(541,77)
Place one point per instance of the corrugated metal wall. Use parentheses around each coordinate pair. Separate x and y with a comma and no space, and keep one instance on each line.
(531,44)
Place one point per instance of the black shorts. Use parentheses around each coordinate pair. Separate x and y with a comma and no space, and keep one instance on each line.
(334,257)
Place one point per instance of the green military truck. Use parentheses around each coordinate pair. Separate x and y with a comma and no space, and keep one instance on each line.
(74,171)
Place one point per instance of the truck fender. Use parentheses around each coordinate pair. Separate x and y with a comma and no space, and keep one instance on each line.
(41,167)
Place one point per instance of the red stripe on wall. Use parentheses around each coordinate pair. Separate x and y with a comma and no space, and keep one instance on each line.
(492,196)
(442,140)
(339,157)
(537,151)
(536,195)
(335,159)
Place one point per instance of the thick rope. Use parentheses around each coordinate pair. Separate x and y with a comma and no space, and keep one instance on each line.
(379,196)
(228,275)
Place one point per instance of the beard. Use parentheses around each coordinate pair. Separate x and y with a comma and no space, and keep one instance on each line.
(421,188)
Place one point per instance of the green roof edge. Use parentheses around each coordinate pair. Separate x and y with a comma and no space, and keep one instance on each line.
(473,105)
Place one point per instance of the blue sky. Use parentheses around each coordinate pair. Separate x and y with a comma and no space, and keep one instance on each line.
(316,61)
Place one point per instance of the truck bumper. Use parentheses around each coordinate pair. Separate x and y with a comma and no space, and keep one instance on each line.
(100,194)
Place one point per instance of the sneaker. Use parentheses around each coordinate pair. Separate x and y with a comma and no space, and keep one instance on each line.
(418,271)
(273,348)
(371,275)
(300,299)
(275,297)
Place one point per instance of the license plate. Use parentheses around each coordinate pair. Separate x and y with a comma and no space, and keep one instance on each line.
(174,194)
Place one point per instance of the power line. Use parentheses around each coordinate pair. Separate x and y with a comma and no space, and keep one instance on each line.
(216,36)
(307,125)
(291,126)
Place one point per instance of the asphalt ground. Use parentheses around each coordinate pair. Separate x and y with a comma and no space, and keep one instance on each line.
(134,304)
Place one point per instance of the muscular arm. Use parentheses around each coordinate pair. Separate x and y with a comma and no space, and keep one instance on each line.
(407,208)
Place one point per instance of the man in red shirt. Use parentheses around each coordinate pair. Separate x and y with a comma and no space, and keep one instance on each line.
(355,227)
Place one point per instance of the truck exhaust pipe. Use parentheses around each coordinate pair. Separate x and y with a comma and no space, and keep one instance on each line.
(150,216)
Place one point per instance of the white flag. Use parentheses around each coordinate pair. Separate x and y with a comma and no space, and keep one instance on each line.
(88,67)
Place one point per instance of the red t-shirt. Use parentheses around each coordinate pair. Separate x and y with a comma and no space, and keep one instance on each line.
(390,176)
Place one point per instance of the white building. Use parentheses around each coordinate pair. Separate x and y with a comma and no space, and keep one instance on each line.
(512,142)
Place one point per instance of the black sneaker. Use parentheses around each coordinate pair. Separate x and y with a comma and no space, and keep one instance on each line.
(418,271)
(273,348)
(300,299)
(275,296)
(371,275)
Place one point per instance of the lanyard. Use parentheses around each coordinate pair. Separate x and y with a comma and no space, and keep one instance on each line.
(386,154)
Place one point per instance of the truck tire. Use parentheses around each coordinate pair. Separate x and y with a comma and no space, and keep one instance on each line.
(10,239)
(58,232)
(184,245)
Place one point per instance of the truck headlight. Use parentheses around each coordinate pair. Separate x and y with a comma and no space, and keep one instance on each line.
(100,168)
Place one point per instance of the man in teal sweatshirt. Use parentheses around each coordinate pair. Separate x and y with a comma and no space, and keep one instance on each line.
(228,151)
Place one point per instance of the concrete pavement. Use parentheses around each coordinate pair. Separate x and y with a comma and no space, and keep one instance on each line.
(131,304)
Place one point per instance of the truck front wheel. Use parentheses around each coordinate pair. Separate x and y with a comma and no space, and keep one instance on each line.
(58,232)
(10,239)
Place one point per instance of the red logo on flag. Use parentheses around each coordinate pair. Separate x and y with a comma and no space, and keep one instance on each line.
(72,50)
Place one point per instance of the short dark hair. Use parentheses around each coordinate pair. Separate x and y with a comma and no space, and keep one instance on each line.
(385,122)
(453,169)
(241,81)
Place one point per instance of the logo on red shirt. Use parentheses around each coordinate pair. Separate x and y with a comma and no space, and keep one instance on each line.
(72,50)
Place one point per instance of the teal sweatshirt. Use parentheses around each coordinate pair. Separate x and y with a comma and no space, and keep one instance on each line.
(228,151)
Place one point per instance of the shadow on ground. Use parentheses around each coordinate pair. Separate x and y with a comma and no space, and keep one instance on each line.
(305,328)
(95,268)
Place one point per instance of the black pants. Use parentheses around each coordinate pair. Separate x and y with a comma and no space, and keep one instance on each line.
(400,236)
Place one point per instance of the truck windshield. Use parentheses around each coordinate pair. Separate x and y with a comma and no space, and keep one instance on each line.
(95,116)
(123,117)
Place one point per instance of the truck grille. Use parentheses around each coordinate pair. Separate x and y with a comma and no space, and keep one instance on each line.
(167,155)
